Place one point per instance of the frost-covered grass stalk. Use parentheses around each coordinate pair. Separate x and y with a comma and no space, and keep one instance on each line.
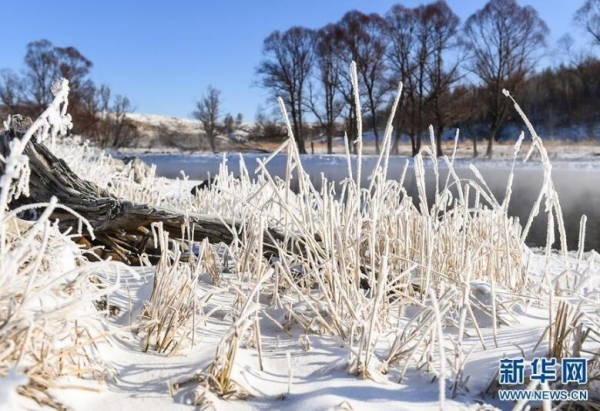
(49,326)
(174,309)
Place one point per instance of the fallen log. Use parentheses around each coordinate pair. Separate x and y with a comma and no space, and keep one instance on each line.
(204,185)
(122,228)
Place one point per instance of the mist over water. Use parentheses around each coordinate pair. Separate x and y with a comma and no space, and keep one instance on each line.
(578,189)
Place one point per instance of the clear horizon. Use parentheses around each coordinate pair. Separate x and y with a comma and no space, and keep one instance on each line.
(163,57)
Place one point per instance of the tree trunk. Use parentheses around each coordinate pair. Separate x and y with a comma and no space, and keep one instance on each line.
(396,144)
(211,141)
(374,122)
(438,141)
(123,228)
(493,133)
(489,150)
(352,132)
(297,128)
(413,143)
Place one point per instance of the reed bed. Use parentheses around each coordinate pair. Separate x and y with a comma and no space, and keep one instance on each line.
(49,326)
(377,263)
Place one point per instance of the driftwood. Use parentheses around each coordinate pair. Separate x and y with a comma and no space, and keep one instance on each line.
(204,185)
(122,228)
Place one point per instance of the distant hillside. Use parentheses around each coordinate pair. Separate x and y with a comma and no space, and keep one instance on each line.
(166,132)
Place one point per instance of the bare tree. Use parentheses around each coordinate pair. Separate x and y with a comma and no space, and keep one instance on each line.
(285,71)
(361,39)
(443,24)
(31,92)
(344,83)
(124,132)
(589,16)
(421,41)
(419,90)
(401,28)
(228,124)
(267,126)
(45,64)
(471,112)
(75,67)
(503,42)
(239,120)
(207,111)
(11,91)
(116,130)
(324,103)
(42,69)
(103,98)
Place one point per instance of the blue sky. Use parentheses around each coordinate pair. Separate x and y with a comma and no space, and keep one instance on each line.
(163,55)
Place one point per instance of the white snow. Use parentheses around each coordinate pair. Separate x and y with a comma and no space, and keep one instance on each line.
(319,374)
(9,399)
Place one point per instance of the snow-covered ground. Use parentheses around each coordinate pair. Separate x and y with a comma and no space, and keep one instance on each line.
(172,134)
(300,370)
(315,375)
(173,123)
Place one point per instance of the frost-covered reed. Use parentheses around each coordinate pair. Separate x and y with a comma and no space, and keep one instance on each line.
(49,324)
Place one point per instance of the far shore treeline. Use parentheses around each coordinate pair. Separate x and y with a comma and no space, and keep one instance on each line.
(453,75)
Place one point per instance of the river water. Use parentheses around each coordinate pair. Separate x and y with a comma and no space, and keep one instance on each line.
(577,183)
